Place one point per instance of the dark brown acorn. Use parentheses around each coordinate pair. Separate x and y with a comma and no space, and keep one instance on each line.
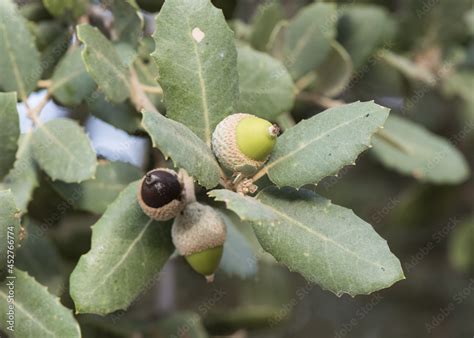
(161,194)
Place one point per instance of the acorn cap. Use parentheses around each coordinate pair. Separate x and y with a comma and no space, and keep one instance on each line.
(161,194)
(197,228)
(226,148)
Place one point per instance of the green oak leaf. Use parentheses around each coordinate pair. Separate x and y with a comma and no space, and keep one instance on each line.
(308,38)
(96,194)
(412,150)
(120,115)
(322,145)
(38,313)
(266,87)
(238,257)
(127,25)
(334,74)
(248,208)
(104,64)
(9,132)
(59,8)
(71,82)
(23,178)
(70,159)
(20,60)
(9,231)
(183,146)
(327,244)
(362,29)
(127,253)
(461,252)
(266,18)
(39,256)
(197,60)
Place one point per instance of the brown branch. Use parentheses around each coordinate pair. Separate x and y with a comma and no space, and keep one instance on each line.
(322,101)
(138,95)
(151,89)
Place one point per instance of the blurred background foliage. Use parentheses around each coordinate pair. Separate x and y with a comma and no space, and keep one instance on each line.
(427,76)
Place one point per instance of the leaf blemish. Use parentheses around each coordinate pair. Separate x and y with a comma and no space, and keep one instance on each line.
(198,34)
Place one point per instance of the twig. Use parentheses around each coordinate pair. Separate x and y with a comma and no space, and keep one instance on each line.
(262,172)
(33,113)
(151,89)
(305,81)
(44,83)
(138,95)
(322,101)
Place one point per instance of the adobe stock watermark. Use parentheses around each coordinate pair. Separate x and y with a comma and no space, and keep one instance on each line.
(288,307)
(360,314)
(443,313)
(425,250)
(10,280)
(203,308)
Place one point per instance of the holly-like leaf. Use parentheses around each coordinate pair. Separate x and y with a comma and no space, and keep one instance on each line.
(23,178)
(248,208)
(266,88)
(74,8)
(96,194)
(41,259)
(70,159)
(308,38)
(127,253)
(197,60)
(327,244)
(183,146)
(322,145)
(412,150)
(9,132)
(104,64)
(9,230)
(238,257)
(267,17)
(37,312)
(20,60)
(334,74)
(71,82)
(362,28)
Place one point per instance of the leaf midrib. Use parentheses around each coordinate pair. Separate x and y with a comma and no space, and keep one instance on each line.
(22,309)
(11,57)
(185,140)
(56,84)
(205,105)
(303,146)
(322,236)
(123,258)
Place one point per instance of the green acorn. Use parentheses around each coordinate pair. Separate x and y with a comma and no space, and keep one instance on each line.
(161,194)
(199,234)
(243,143)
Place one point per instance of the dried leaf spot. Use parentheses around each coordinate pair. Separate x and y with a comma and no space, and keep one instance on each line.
(198,34)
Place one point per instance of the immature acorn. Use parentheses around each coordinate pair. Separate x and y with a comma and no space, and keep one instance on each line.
(161,194)
(242,142)
(199,234)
